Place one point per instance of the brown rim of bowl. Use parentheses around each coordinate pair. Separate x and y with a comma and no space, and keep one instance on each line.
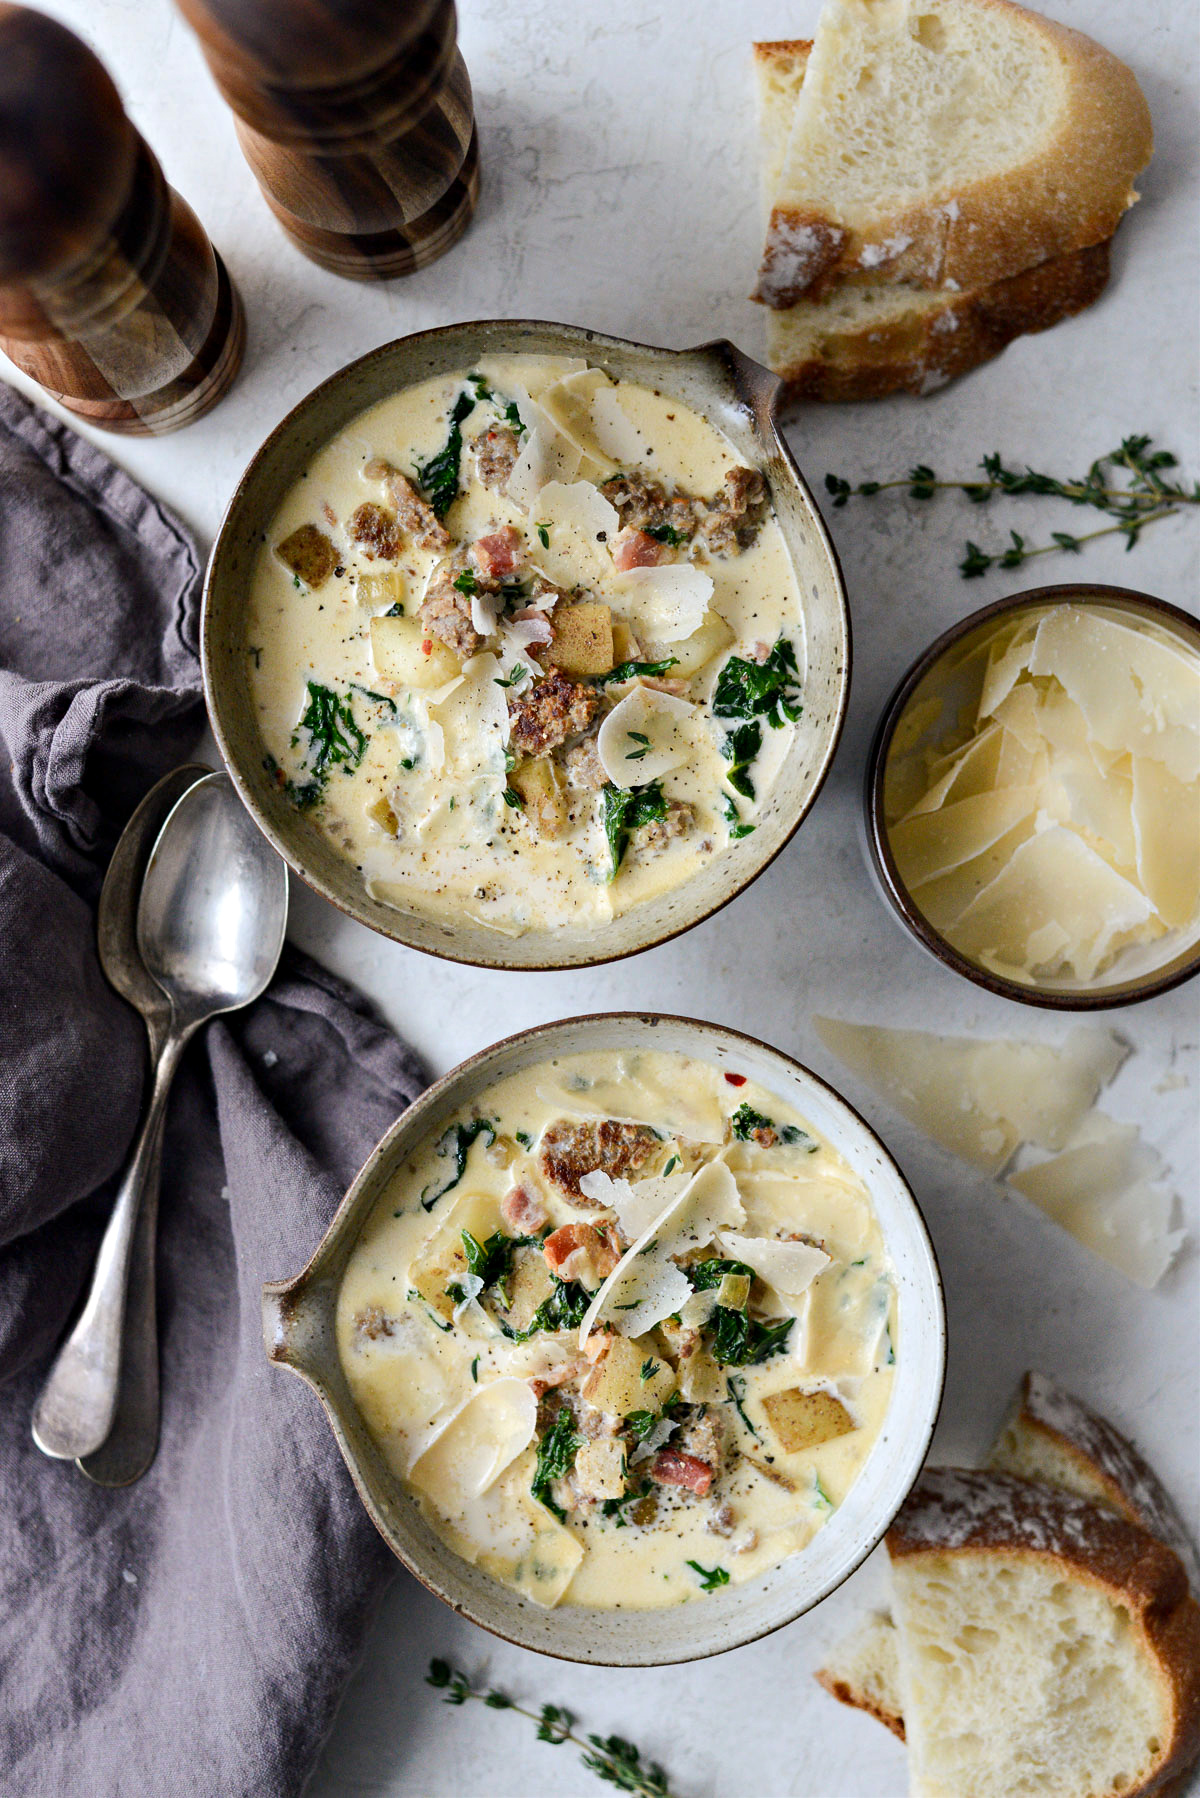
(718,347)
(1077,593)
(283,1289)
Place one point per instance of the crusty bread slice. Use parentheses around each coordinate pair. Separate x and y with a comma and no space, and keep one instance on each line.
(868,339)
(1047,1435)
(1047,1647)
(948,143)
(864,1671)
(1051,1436)
(865,342)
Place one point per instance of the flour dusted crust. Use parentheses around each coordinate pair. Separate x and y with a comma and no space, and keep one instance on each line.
(1047,1425)
(866,343)
(1068,194)
(864,1672)
(954,1511)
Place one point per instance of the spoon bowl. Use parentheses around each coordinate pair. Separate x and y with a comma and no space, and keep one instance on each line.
(213,906)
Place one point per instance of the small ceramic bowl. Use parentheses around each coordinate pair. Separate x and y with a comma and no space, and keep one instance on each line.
(1135,975)
(299,1331)
(739,398)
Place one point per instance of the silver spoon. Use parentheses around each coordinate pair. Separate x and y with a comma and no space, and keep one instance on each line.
(210,927)
(131,1444)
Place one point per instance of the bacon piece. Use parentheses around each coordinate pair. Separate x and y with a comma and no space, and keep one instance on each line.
(522,1211)
(635,549)
(670,1468)
(541,1384)
(499,554)
(582,1252)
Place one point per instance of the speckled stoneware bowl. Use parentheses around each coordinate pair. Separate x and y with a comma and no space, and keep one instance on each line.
(739,397)
(1136,974)
(299,1331)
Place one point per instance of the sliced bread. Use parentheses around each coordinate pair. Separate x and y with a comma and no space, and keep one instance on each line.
(864,1671)
(863,343)
(1051,1436)
(946,143)
(1046,1646)
(1047,1435)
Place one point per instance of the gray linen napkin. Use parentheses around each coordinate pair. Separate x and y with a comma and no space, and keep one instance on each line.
(191,1633)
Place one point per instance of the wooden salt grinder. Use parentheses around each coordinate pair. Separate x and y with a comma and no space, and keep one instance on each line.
(111,294)
(356,118)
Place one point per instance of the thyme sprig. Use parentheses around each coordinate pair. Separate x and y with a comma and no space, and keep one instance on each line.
(1142,499)
(611,1758)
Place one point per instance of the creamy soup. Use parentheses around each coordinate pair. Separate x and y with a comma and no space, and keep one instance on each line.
(625,1330)
(527,645)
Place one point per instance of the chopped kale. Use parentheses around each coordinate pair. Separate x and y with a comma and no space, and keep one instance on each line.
(456,1141)
(745,1121)
(465,582)
(524,1138)
(555,1458)
(769,689)
(334,740)
(736,1388)
(438,478)
(641,1423)
(378,698)
(665,533)
(740,747)
(738,1340)
(513,419)
(733,818)
(626,809)
(565,1309)
(395,610)
(617,1507)
(630,670)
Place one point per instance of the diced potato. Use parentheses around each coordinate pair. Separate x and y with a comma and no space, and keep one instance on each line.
(528,1286)
(600,1469)
(583,638)
(806,1419)
(537,781)
(403,652)
(380,590)
(734,1291)
(701,1381)
(616,1385)
(626,647)
(709,639)
(380,812)
(441,1260)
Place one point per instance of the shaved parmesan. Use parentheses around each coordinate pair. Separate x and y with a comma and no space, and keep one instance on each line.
(484,611)
(1059,832)
(636,1205)
(614,430)
(646,1285)
(670,600)
(578,522)
(646,736)
(474,719)
(474,1446)
(1106,1189)
(569,403)
(980,1097)
(790,1267)
(658,1436)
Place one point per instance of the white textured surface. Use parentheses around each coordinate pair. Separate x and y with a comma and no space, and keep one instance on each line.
(620,192)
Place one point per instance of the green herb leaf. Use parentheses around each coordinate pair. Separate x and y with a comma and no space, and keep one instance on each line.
(641,1422)
(465,582)
(626,809)
(649,1368)
(769,689)
(438,478)
(630,670)
(639,737)
(543,532)
(710,1577)
(555,1458)
(456,1141)
(518,674)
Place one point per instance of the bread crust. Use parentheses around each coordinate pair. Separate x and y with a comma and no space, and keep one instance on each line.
(1103,1457)
(858,1700)
(1068,195)
(922,350)
(954,1510)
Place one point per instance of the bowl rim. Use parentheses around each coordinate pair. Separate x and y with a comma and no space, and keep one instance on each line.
(718,348)
(277,1293)
(1132,992)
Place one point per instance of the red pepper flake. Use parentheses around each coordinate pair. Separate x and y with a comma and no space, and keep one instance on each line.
(427,646)
(736,1079)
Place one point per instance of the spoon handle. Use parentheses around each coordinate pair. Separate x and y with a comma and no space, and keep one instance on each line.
(75,1412)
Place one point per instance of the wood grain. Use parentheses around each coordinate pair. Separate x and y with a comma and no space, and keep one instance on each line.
(111,294)
(356,118)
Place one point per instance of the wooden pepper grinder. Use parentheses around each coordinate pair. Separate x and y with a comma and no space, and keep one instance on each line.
(356,118)
(111,294)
